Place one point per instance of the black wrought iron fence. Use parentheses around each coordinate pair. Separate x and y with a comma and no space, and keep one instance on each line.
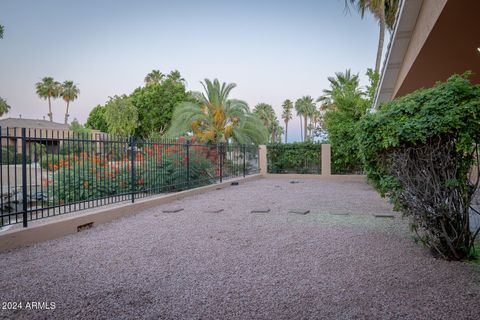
(46,173)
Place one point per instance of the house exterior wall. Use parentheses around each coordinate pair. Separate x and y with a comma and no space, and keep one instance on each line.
(428,16)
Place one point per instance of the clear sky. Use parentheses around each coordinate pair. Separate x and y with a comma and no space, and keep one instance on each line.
(272,50)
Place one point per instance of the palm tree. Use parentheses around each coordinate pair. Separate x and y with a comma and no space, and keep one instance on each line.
(277,132)
(315,123)
(215,118)
(341,82)
(175,76)
(265,112)
(385,12)
(2,29)
(46,89)
(69,92)
(300,113)
(305,107)
(287,115)
(344,94)
(4,107)
(154,77)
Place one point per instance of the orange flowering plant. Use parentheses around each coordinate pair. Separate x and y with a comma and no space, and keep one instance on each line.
(159,167)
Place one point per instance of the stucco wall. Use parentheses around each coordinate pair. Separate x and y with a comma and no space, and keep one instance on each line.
(428,16)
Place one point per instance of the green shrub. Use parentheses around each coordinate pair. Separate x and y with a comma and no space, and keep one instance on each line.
(418,150)
(296,157)
(10,156)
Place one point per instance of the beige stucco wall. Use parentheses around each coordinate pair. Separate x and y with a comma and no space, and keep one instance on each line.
(326,160)
(428,16)
(262,159)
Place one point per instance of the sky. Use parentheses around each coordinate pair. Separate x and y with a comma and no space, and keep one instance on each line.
(272,50)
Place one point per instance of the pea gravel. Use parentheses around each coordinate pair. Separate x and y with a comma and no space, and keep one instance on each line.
(195,264)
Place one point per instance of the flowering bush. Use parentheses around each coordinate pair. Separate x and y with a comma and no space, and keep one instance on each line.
(86,177)
(158,168)
(168,168)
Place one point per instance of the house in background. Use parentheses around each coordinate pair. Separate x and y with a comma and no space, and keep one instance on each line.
(432,40)
(52,135)
(37,131)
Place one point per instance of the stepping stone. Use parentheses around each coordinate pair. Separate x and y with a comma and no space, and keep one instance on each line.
(172,210)
(391,216)
(340,214)
(262,210)
(234,183)
(299,211)
(294,181)
(213,210)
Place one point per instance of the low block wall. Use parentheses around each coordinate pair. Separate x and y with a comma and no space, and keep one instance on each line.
(68,224)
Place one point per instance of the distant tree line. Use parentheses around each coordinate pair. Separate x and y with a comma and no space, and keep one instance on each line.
(147,111)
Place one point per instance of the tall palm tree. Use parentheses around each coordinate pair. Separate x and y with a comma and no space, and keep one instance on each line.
(300,112)
(69,92)
(385,12)
(215,118)
(305,107)
(2,29)
(154,77)
(47,89)
(287,115)
(4,107)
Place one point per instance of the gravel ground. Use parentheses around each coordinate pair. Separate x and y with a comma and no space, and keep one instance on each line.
(241,265)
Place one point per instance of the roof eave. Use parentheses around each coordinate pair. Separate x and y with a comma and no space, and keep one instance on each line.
(396,50)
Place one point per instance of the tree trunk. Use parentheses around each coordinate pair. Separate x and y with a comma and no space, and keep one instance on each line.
(380,41)
(66,113)
(286,131)
(301,128)
(305,128)
(50,115)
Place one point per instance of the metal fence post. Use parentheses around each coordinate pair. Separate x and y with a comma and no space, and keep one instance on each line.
(24,176)
(244,160)
(132,162)
(187,146)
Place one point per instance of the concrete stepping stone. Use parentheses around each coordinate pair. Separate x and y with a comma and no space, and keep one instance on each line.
(172,210)
(299,211)
(391,216)
(261,210)
(214,210)
(296,181)
(340,214)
